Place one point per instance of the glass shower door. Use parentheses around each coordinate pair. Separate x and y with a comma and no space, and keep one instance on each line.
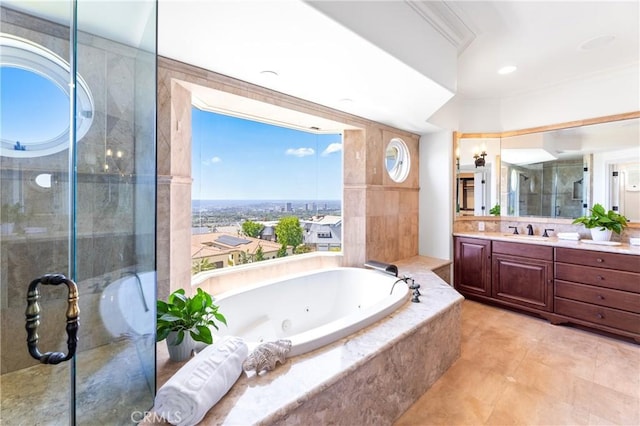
(78,200)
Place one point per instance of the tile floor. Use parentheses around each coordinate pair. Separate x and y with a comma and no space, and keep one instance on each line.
(518,369)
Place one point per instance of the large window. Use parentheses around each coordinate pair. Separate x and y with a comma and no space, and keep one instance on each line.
(262,191)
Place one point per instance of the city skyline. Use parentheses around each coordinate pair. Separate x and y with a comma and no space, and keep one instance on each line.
(238,159)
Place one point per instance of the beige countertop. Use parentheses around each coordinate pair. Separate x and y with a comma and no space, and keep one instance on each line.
(622,248)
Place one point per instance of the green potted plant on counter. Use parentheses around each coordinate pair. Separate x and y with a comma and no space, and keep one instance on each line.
(602,223)
(183,320)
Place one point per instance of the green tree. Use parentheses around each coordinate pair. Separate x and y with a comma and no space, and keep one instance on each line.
(259,254)
(252,229)
(201,265)
(302,249)
(243,258)
(282,251)
(289,232)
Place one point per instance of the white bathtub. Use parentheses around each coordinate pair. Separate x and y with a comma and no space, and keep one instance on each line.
(311,310)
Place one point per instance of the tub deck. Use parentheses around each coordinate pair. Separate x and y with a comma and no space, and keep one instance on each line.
(370,377)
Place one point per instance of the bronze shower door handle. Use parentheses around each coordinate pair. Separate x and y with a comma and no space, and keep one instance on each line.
(33,319)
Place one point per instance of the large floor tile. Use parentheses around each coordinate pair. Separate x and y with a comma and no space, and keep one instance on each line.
(519,369)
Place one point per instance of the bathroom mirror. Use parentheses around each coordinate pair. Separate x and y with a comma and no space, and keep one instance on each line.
(396,160)
(477,176)
(560,172)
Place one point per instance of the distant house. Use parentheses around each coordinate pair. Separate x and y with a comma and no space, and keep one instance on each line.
(268,233)
(323,237)
(224,250)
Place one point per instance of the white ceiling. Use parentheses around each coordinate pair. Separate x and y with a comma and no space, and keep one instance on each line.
(322,61)
(543,40)
(314,57)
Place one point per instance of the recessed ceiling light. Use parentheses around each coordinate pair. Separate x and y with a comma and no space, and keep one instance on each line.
(596,42)
(507,69)
(346,101)
(269,74)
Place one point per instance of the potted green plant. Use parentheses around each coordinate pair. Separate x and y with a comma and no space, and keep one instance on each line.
(602,223)
(183,320)
(495,210)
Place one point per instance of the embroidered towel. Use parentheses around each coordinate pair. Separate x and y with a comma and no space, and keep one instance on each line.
(187,396)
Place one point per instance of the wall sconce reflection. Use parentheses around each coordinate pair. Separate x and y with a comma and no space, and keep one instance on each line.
(479,158)
(113,163)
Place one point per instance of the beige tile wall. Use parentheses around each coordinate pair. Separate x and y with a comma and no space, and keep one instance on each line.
(380,217)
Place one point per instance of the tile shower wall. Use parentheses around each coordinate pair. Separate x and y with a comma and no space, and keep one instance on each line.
(105,223)
(380,217)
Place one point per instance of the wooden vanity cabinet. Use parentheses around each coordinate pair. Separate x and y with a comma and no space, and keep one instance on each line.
(472,266)
(522,275)
(599,290)
(514,274)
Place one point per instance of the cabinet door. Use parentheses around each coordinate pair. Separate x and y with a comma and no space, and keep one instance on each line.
(472,266)
(523,281)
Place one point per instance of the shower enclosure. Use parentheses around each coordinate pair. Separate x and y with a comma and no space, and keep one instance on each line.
(552,189)
(77,190)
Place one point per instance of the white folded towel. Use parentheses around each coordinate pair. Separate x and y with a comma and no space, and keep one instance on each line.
(568,236)
(187,396)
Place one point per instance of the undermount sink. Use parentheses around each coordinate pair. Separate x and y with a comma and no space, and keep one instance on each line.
(527,237)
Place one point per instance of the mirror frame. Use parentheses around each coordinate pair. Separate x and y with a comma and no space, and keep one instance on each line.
(565,125)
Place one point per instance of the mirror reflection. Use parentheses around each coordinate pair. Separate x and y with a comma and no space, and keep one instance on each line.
(557,173)
(478,173)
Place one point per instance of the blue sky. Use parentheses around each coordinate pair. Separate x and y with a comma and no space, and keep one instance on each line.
(33,108)
(237,159)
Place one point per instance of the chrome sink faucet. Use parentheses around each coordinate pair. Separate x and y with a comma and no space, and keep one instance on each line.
(529,229)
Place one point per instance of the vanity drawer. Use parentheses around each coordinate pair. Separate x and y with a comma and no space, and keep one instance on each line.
(599,296)
(609,278)
(524,250)
(609,317)
(623,262)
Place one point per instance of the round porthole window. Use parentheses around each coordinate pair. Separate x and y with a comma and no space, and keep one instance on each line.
(397,160)
(35,100)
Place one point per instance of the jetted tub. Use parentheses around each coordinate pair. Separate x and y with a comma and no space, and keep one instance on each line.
(311,310)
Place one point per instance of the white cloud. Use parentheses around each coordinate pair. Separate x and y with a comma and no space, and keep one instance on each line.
(300,152)
(211,161)
(333,147)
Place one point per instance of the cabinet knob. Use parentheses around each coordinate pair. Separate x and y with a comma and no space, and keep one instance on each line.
(601,297)
(599,260)
(600,316)
(600,277)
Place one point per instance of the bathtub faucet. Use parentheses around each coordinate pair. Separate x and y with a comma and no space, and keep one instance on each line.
(410,282)
(381,266)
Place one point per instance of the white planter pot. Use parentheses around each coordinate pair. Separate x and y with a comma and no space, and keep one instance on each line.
(600,235)
(182,351)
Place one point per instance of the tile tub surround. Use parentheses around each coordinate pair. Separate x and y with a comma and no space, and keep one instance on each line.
(383,368)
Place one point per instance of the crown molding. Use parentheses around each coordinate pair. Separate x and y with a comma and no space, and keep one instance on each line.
(447,21)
